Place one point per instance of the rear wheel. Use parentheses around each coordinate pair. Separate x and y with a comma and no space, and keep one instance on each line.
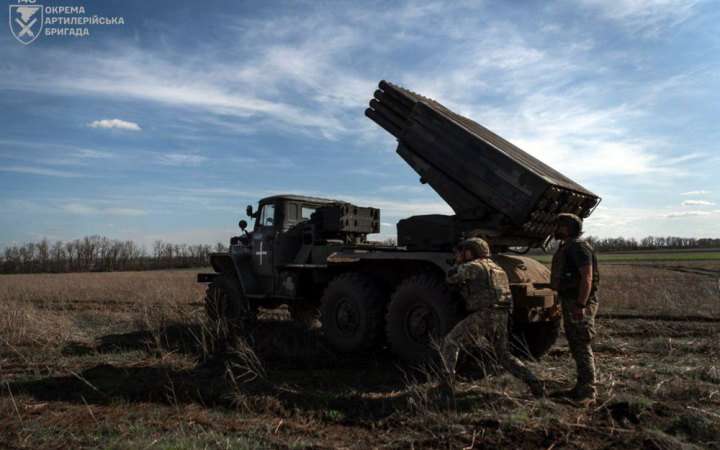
(352,313)
(535,339)
(420,314)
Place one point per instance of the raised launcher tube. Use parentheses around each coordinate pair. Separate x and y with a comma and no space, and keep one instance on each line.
(492,185)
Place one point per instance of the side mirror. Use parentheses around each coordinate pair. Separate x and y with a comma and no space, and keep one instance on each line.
(242,224)
(249,210)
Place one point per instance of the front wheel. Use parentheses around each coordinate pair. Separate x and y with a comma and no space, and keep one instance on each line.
(228,311)
(420,314)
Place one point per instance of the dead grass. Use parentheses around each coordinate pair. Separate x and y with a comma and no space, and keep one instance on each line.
(119,360)
(658,290)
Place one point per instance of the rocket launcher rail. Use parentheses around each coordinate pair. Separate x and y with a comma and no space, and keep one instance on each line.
(491,184)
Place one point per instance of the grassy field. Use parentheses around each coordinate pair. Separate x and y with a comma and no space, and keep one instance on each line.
(112,361)
(650,256)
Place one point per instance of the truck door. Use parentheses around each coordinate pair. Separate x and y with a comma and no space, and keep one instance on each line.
(262,245)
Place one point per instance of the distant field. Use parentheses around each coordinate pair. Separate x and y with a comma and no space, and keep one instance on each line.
(650,256)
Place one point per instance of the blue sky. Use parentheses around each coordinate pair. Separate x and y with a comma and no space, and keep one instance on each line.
(167,126)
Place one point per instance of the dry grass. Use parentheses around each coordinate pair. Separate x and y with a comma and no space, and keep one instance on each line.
(114,360)
(658,290)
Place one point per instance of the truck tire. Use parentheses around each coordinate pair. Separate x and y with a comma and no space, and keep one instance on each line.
(533,340)
(420,314)
(227,309)
(351,313)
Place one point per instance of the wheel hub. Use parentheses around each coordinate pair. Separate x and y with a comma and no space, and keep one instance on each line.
(347,317)
(421,323)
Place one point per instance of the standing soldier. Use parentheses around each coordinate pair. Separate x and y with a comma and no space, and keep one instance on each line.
(575,277)
(486,292)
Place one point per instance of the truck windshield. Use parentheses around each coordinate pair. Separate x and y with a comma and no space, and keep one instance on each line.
(267,215)
(307,212)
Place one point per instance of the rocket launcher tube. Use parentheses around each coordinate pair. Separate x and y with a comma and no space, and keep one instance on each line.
(485,179)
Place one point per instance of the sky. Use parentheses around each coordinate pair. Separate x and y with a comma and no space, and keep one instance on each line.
(167,126)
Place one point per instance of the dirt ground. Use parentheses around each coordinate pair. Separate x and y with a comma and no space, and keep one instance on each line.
(116,361)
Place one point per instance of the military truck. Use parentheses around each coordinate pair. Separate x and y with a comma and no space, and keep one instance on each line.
(313,254)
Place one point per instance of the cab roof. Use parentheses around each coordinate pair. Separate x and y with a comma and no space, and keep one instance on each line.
(298,198)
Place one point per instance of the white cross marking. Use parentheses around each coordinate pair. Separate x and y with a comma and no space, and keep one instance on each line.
(25,27)
(261,252)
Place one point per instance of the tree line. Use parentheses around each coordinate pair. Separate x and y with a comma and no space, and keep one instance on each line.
(652,243)
(101,254)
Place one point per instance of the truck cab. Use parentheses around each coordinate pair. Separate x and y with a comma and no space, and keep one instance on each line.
(273,245)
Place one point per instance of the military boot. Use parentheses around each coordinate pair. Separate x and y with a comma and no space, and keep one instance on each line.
(584,395)
(565,393)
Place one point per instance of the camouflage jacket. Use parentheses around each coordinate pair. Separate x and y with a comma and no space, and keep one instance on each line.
(483,284)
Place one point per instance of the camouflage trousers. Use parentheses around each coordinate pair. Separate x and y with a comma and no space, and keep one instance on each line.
(487,329)
(579,334)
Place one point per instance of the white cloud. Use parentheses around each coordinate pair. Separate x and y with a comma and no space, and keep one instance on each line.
(77,208)
(697,203)
(92,154)
(40,171)
(124,211)
(638,222)
(696,193)
(647,17)
(181,159)
(85,210)
(115,123)
(688,214)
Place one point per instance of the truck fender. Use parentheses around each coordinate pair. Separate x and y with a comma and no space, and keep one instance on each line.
(238,267)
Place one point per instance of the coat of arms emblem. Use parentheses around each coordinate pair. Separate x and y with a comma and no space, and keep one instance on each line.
(26,22)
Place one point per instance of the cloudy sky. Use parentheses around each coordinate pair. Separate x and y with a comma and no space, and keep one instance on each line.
(167,126)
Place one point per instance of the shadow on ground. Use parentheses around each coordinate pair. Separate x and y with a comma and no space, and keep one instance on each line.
(300,373)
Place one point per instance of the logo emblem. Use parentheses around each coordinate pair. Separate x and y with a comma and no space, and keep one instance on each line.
(26,22)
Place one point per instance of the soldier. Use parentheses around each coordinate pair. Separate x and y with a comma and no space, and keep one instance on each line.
(486,292)
(575,277)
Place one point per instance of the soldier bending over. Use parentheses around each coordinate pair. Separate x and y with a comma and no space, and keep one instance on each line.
(486,292)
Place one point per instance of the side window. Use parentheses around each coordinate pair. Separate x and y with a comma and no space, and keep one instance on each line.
(267,215)
(307,212)
(292,212)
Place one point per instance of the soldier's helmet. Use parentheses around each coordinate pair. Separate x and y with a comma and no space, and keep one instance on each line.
(572,220)
(478,247)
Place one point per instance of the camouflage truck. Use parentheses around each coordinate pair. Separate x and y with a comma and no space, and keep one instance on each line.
(313,254)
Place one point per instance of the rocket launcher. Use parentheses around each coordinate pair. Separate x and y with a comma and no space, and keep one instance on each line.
(493,186)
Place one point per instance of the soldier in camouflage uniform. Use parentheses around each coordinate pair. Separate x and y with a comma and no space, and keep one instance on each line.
(575,277)
(486,292)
